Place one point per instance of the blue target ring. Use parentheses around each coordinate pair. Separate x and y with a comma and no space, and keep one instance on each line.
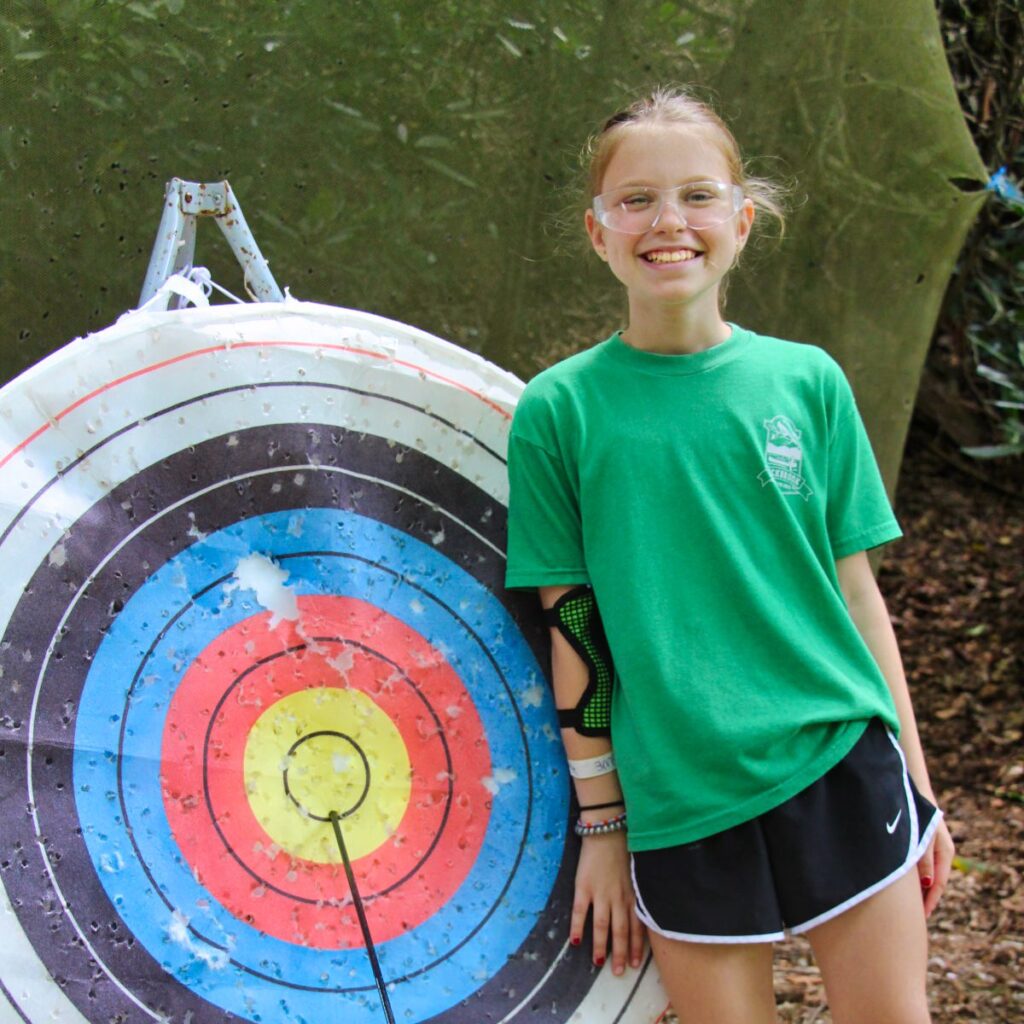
(140,663)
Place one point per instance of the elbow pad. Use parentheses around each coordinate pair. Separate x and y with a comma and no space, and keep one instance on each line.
(576,617)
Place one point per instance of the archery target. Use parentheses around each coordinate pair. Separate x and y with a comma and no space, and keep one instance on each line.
(253,561)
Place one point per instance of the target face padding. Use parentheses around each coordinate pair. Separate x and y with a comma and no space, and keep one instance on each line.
(253,561)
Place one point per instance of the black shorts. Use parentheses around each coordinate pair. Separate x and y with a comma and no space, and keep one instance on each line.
(857,829)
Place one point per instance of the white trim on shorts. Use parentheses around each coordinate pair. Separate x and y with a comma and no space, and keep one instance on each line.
(649,922)
(915,851)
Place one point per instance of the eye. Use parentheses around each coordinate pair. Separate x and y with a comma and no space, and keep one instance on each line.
(702,194)
(636,200)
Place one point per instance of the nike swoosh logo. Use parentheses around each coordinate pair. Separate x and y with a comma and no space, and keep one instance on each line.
(891,827)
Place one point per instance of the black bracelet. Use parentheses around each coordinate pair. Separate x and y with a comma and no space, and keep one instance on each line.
(601,807)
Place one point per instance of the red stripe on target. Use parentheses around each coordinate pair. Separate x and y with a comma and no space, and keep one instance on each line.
(387,357)
(345,709)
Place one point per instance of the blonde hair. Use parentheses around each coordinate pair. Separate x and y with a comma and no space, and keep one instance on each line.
(671,105)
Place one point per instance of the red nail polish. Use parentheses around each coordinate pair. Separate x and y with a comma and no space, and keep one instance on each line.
(926,882)
(575,940)
(599,961)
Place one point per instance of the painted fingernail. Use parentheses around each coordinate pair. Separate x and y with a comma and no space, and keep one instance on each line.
(599,961)
(575,940)
(926,882)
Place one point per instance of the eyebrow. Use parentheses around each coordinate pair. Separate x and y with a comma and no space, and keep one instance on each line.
(699,179)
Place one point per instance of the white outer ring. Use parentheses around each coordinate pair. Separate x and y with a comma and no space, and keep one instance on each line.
(65,405)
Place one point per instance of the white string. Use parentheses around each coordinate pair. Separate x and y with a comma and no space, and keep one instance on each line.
(204,279)
(177,284)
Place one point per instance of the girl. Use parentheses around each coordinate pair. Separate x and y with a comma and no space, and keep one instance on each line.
(703,498)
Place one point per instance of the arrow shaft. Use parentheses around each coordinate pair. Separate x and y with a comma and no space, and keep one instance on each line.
(364,925)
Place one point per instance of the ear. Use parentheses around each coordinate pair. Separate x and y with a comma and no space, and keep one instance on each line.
(744,222)
(596,233)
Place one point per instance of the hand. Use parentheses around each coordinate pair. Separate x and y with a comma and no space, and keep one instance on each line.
(603,884)
(934,867)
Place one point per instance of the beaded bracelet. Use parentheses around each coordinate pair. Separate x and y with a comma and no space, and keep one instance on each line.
(600,828)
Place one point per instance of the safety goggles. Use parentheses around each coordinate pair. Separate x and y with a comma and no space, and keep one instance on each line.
(699,204)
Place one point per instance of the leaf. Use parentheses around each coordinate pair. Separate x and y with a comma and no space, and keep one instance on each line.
(432,142)
(281,226)
(358,119)
(351,111)
(143,11)
(449,172)
(1009,794)
(958,706)
(483,115)
(995,451)
(966,866)
(509,45)
(994,375)
(1014,903)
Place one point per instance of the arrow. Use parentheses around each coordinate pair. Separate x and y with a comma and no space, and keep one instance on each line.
(363,923)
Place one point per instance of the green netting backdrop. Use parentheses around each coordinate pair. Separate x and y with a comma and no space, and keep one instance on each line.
(419,160)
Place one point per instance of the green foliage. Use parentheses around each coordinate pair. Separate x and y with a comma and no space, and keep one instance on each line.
(984,309)
(995,329)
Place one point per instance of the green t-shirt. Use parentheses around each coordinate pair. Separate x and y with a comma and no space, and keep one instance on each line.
(706,498)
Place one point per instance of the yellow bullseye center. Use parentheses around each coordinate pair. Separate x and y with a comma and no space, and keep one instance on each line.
(325,750)
(327,771)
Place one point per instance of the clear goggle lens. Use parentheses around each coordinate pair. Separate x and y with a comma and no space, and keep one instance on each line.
(700,204)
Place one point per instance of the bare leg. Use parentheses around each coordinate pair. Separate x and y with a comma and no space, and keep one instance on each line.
(711,983)
(874,958)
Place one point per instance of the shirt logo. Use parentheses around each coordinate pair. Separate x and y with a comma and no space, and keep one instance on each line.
(784,457)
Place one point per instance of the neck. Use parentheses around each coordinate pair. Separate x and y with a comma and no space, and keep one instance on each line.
(675,331)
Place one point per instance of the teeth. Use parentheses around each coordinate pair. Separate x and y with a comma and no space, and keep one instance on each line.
(675,256)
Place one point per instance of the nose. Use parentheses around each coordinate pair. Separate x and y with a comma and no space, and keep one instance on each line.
(670,214)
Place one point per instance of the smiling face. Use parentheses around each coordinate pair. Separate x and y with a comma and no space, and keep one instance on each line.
(672,269)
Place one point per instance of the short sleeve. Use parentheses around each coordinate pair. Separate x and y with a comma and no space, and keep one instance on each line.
(859,513)
(545,546)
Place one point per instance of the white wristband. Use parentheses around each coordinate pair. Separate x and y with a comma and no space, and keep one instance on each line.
(592,766)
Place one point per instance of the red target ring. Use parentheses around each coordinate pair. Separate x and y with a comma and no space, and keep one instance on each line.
(261,843)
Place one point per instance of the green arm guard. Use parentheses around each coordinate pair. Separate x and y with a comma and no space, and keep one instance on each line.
(576,617)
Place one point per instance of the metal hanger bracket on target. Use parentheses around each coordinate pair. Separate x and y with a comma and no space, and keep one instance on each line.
(174,250)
